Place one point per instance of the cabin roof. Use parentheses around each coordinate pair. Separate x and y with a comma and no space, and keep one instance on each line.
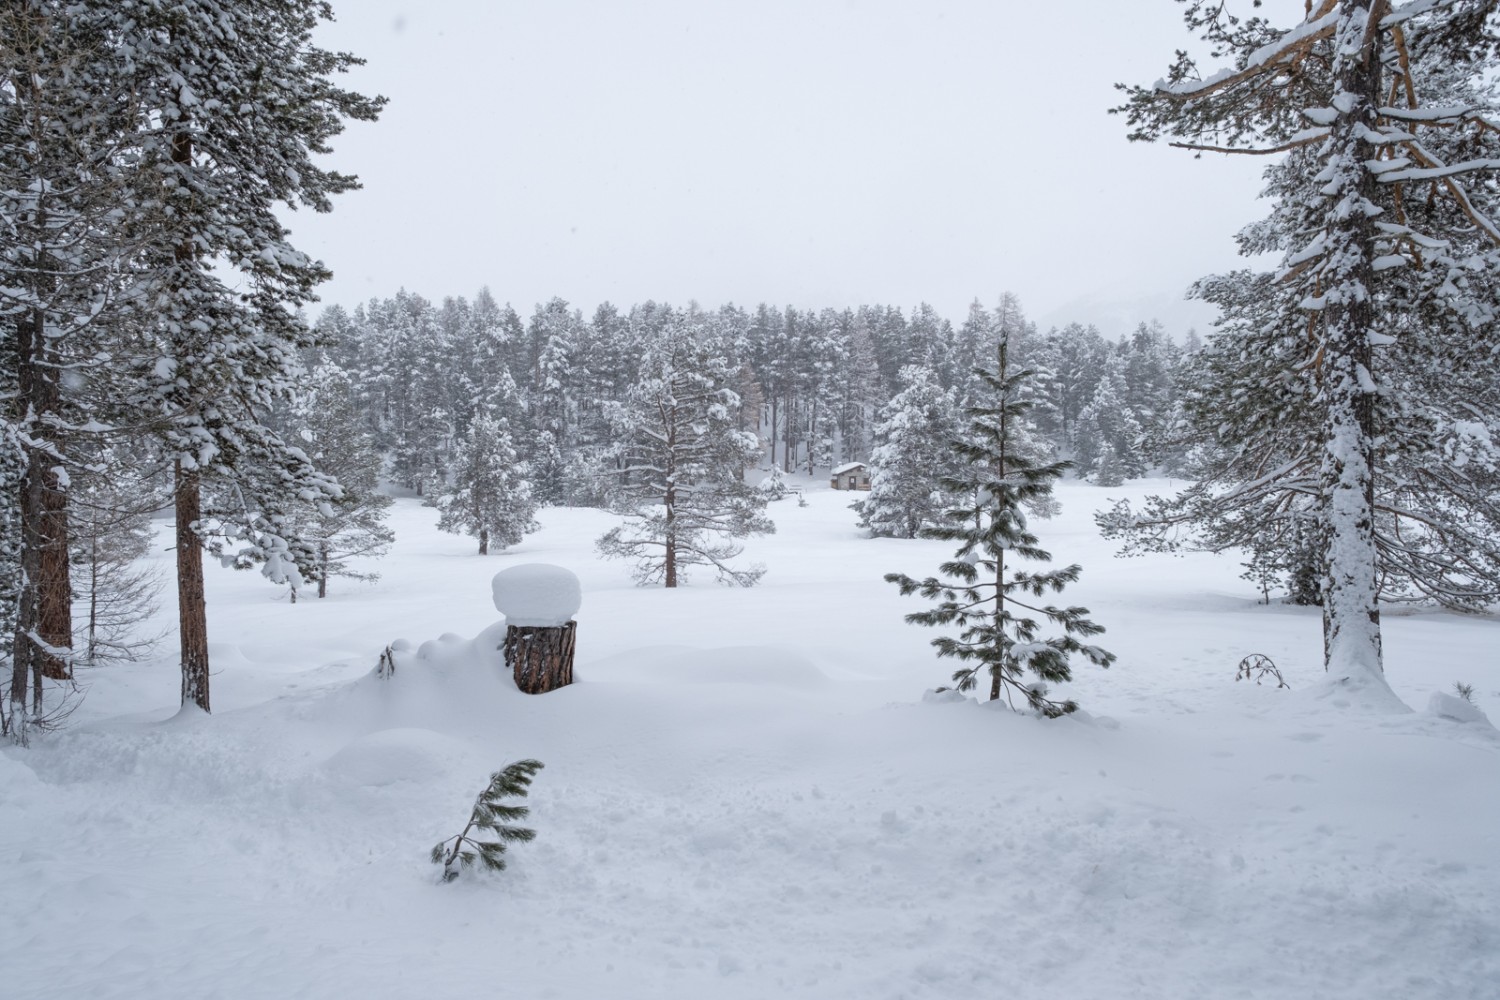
(848,468)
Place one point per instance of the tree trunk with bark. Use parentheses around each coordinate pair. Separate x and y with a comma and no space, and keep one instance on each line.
(541,657)
(1351,614)
(44,627)
(789,446)
(192,608)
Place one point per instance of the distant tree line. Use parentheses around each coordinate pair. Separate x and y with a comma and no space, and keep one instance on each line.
(814,386)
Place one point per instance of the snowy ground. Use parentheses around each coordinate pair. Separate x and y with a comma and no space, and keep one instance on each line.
(746,797)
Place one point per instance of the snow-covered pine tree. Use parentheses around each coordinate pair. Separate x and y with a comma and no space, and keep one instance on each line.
(859,388)
(914,432)
(680,486)
(491,497)
(604,359)
(1151,364)
(66,122)
(554,332)
(825,359)
(971,345)
(420,379)
(1108,438)
(1069,363)
(999,628)
(1384,216)
(235,104)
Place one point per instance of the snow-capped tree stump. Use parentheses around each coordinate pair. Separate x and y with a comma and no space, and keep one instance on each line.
(540,657)
(538,602)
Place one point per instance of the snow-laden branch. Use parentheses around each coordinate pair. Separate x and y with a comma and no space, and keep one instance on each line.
(1414,9)
(1436,116)
(1307,137)
(1459,194)
(1319,25)
(1436,173)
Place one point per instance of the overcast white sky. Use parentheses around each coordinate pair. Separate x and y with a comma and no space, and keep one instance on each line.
(802,153)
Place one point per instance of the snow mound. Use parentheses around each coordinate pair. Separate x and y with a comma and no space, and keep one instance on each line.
(537,595)
(392,755)
(944,696)
(1448,706)
(450,653)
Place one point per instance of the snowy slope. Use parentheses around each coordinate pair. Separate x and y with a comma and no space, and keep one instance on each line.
(747,797)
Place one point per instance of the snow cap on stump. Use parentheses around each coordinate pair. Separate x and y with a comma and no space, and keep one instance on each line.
(537,595)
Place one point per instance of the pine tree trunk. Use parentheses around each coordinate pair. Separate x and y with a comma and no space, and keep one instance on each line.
(26,657)
(771,429)
(790,456)
(46,582)
(669,545)
(812,434)
(322,570)
(484,541)
(541,658)
(669,505)
(192,608)
(1000,558)
(1351,615)
(55,590)
(93,644)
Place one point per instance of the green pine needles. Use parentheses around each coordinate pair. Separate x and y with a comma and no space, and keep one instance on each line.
(458,854)
(998,631)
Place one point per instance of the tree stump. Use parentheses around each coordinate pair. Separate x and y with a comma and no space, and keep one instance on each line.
(541,657)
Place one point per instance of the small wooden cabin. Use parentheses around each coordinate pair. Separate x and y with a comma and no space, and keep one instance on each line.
(853,476)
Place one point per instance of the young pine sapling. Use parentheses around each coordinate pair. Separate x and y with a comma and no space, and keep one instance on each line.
(980,590)
(491,814)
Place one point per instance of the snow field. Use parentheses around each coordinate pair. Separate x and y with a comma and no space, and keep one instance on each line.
(746,796)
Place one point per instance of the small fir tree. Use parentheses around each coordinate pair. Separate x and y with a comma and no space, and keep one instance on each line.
(491,814)
(998,630)
(774,486)
(491,498)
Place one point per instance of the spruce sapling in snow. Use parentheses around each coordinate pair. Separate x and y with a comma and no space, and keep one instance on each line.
(458,854)
(998,632)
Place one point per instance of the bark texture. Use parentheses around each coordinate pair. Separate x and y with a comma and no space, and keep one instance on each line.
(541,657)
(192,608)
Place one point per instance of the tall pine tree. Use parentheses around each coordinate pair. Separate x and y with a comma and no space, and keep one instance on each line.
(237,102)
(1384,220)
